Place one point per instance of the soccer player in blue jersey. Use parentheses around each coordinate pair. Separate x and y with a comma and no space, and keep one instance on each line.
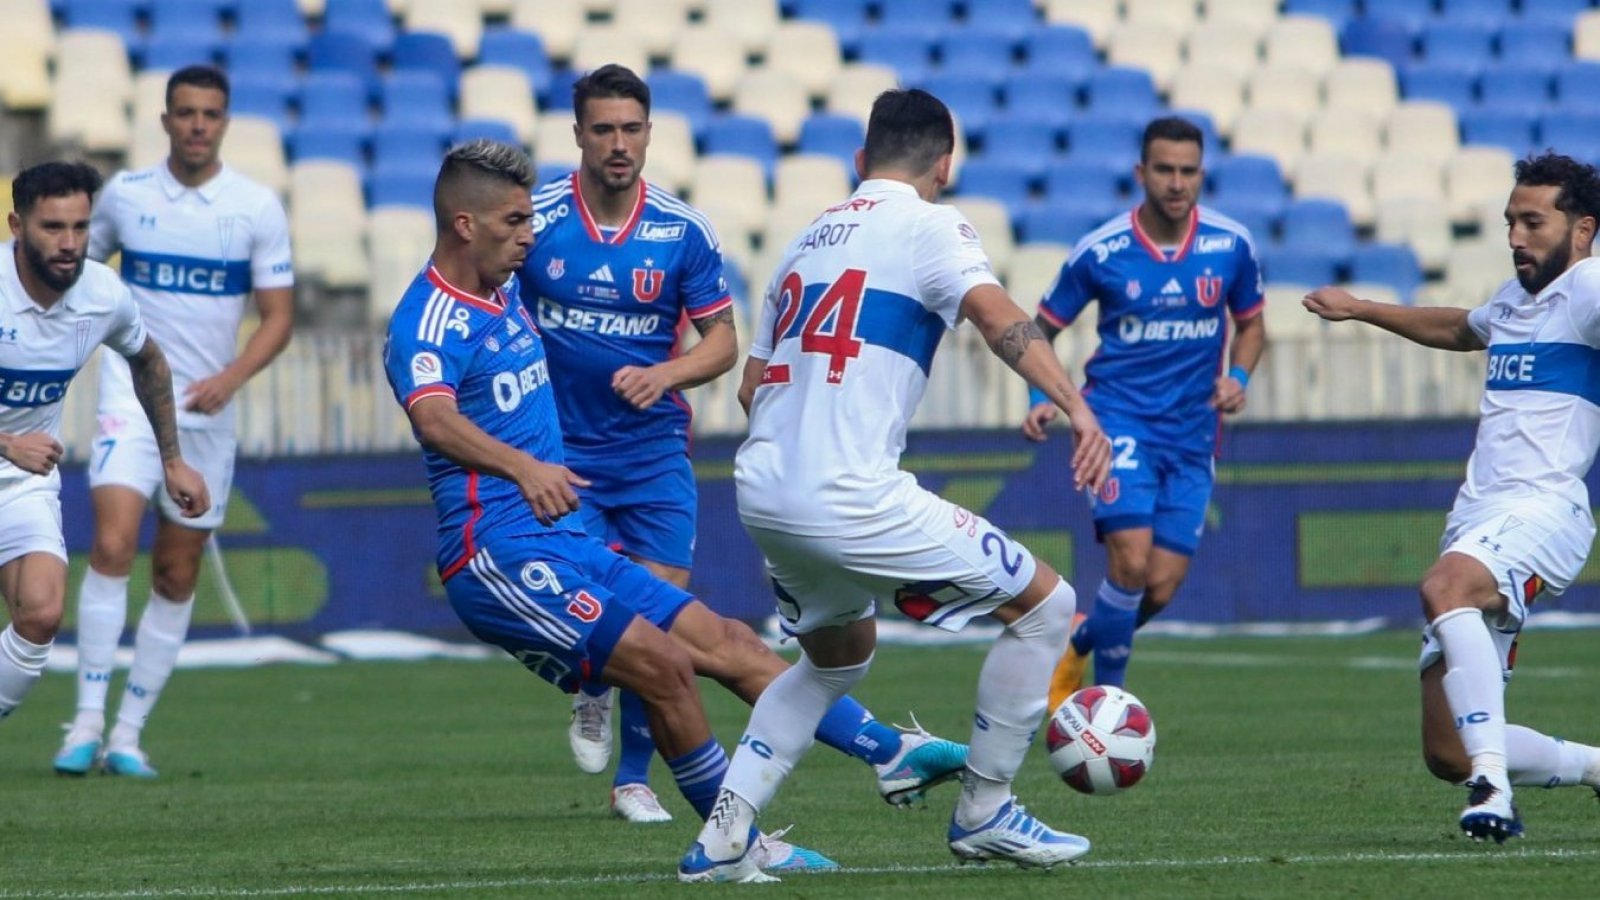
(467,362)
(1167,276)
(616,265)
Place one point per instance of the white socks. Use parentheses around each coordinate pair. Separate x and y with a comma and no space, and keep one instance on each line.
(102,612)
(783,726)
(1542,761)
(1012,691)
(21,662)
(162,629)
(1474,685)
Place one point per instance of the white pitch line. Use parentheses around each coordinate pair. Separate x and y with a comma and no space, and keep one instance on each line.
(1484,854)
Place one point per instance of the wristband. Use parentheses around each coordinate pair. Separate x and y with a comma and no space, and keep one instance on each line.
(1238,373)
(1036,397)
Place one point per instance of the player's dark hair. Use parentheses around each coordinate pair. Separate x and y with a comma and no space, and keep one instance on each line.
(469,168)
(1170,128)
(908,130)
(610,81)
(1579,182)
(52,179)
(209,77)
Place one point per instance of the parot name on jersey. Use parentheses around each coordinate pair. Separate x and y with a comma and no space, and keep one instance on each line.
(553,315)
(511,387)
(1132,330)
(829,234)
(38,387)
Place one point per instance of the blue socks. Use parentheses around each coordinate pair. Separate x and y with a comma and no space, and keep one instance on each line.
(849,728)
(633,762)
(1109,632)
(699,775)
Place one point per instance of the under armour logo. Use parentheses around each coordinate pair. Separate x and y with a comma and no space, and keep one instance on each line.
(9,335)
(147,221)
(1493,545)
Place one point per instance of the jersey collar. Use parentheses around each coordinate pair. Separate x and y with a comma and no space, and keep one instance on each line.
(494,305)
(622,234)
(173,188)
(1154,249)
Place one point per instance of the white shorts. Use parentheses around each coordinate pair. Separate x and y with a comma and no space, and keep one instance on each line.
(125,454)
(30,518)
(936,562)
(1533,545)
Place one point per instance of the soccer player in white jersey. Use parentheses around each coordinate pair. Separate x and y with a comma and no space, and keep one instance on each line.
(840,359)
(55,309)
(1521,527)
(197,239)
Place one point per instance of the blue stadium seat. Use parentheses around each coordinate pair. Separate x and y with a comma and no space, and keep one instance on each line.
(1468,43)
(1575,133)
(847,18)
(1064,50)
(1261,224)
(1575,83)
(1500,127)
(1014,18)
(406,145)
(418,97)
(1087,184)
(976,53)
(1555,11)
(937,12)
(681,92)
(493,129)
(833,135)
(168,9)
(1246,173)
(402,188)
(1451,83)
(264,58)
(1413,13)
(1494,12)
(344,145)
(342,51)
(1049,221)
(175,48)
(120,16)
(1308,265)
(1122,89)
(997,179)
(519,49)
(1535,44)
(1391,264)
(1337,12)
(1515,87)
(1027,145)
(1319,224)
(558,91)
(367,18)
(550,171)
(744,136)
(1384,38)
(430,51)
(332,97)
(265,97)
(270,20)
(1040,95)
(908,51)
(1108,138)
(973,100)
(1210,140)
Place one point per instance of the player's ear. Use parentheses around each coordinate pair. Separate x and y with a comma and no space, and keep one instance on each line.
(15,221)
(464,225)
(861,164)
(943,168)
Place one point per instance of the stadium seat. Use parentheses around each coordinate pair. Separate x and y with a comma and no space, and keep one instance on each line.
(401,236)
(1454,41)
(1304,41)
(1177,14)
(903,48)
(671,150)
(1155,48)
(807,52)
(1040,97)
(1319,223)
(600,45)
(750,23)
(1277,133)
(1576,134)
(1362,83)
(1491,11)
(1216,91)
(546,171)
(1034,267)
(327,223)
(1344,131)
(1422,128)
(1244,178)
(857,85)
(275,21)
(1400,176)
(1393,265)
(1476,175)
(254,146)
(714,55)
(1106,138)
(501,93)
(835,135)
(1532,42)
(976,52)
(993,223)
(1223,44)
(775,97)
(1574,85)
(1414,14)
(557,23)
(740,135)
(656,23)
(846,18)
(28,22)
(461,22)
(367,19)
(1451,83)
(518,49)
(92,85)
(553,141)
(408,145)
(1015,18)
(1339,177)
(1515,87)
(1257,15)
(340,51)
(810,181)
(1284,88)
(1026,145)
(1086,184)
(169,51)
(1337,12)
(975,102)
(1388,39)
(337,97)
(413,188)
(1477,267)
(736,184)
(1421,223)
(1129,92)
(1586,34)
(24,72)
(429,51)
(343,144)
(1499,127)
(683,93)
(1302,265)
(1095,17)
(268,99)
(265,59)
(997,180)
(1062,50)
(120,17)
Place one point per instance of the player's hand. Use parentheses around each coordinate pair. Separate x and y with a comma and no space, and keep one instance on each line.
(549,490)
(34,452)
(1228,395)
(210,395)
(1091,452)
(1034,423)
(640,386)
(1331,303)
(187,489)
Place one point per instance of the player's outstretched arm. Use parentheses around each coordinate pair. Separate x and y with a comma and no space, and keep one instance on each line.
(1040,414)
(714,355)
(152,384)
(276,305)
(1431,326)
(442,428)
(1017,340)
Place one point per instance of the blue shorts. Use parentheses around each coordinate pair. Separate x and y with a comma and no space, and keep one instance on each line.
(1156,487)
(558,603)
(645,509)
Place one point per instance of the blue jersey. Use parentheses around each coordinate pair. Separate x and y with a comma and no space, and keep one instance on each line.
(612,298)
(1162,329)
(488,355)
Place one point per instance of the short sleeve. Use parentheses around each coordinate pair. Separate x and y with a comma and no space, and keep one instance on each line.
(1585,302)
(127,334)
(418,366)
(1072,290)
(270,263)
(103,237)
(1246,295)
(1478,320)
(762,343)
(947,261)
(703,286)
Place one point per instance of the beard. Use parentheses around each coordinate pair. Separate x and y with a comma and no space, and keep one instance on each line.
(43,270)
(1547,271)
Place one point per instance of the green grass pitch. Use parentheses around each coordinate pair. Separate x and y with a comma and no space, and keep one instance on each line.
(1285,768)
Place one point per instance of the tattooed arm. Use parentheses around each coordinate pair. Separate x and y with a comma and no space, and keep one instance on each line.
(152,384)
(1021,344)
(716,353)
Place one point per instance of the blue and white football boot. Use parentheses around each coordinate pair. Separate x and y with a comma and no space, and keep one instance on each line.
(1011,834)
(924,761)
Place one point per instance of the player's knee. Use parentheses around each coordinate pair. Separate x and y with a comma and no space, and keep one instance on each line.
(1051,618)
(174,578)
(112,554)
(38,621)
(671,676)
(1442,592)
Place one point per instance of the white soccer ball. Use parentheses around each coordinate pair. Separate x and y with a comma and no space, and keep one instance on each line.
(1101,740)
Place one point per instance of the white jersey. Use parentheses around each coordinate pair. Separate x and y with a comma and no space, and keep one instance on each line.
(1539,423)
(848,329)
(191,256)
(41,349)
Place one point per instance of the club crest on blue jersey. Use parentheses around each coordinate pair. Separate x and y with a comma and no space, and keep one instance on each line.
(556,268)
(647,284)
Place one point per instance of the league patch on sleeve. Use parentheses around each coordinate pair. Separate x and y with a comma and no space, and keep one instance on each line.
(425,369)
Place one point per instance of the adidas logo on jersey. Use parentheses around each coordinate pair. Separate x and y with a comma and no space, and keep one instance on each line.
(602,274)
(1172,287)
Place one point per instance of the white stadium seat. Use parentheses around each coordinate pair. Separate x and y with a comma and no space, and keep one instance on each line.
(1361,82)
(1277,133)
(1286,87)
(671,156)
(328,223)
(1586,35)
(775,97)
(1341,178)
(808,52)
(1224,44)
(1216,91)
(1146,45)
(1476,175)
(734,182)
(1422,128)
(401,237)
(599,45)
(749,22)
(1034,267)
(502,93)
(809,181)
(1344,131)
(657,23)
(554,141)
(715,55)
(461,22)
(1177,14)
(254,146)
(1306,41)
(557,22)
(1097,17)
(852,91)
(1421,223)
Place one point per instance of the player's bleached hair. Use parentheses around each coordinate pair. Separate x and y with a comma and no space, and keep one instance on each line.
(1579,182)
(909,130)
(52,179)
(610,81)
(209,77)
(471,170)
(1170,128)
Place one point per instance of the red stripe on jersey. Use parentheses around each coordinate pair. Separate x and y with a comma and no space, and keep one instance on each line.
(1154,250)
(466,533)
(429,390)
(1054,319)
(494,303)
(1252,312)
(778,374)
(714,308)
(593,228)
